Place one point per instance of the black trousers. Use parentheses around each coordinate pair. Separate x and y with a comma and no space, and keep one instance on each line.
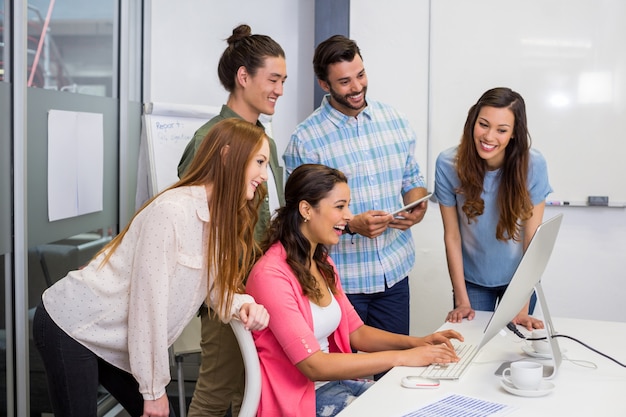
(74,373)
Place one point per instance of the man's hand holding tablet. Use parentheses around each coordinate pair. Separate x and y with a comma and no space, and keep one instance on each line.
(412,204)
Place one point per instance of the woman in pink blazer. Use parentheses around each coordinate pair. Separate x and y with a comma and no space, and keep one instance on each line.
(308,366)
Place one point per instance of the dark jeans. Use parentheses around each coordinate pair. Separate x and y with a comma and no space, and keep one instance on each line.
(387,310)
(74,373)
(486,298)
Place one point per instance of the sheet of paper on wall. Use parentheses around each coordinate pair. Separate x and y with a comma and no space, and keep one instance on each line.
(75,163)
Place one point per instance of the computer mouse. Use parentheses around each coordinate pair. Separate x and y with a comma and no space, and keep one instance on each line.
(413,381)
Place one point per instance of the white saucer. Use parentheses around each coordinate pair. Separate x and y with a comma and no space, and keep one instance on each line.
(532,352)
(544,389)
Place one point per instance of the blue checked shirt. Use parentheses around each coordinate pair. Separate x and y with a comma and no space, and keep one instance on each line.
(376,152)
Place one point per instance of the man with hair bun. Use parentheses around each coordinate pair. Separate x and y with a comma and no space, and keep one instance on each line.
(253,70)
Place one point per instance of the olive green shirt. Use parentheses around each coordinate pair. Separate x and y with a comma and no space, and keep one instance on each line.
(277,171)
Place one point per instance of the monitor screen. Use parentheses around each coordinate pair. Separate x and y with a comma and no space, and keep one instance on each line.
(527,279)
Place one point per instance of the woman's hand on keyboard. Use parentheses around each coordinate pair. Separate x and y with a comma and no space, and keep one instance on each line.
(443,337)
(427,354)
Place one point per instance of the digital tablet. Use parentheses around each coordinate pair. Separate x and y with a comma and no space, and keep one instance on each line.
(413,204)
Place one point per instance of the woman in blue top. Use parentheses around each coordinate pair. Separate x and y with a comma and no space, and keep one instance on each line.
(491,191)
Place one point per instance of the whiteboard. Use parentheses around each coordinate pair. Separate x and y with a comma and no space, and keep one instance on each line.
(166,129)
(566,58)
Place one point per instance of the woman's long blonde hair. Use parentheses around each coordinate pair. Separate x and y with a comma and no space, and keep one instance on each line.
(221,162)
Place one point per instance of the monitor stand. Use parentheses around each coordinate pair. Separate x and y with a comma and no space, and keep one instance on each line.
(555,350)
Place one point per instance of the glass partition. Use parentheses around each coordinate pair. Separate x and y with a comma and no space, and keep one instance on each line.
(71,46)
(59,246)
(5,168)
(72,61)
(71,49)
(4,42)
(5,237)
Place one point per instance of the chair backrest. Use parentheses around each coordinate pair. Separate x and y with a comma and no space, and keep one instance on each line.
(252,393)
(189,342)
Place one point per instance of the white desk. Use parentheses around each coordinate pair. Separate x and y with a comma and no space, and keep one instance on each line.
(579,391)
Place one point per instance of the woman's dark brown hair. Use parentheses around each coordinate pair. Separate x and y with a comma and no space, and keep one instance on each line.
(513,197)
(310,183)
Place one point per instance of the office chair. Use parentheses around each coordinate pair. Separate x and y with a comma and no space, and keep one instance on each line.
(189,342)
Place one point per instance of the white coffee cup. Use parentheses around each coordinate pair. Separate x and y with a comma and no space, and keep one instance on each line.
(540,346)
(525,375)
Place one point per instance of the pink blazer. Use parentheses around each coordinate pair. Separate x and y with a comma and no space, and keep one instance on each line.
(289,337)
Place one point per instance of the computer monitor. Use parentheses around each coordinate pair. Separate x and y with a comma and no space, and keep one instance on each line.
(527,278)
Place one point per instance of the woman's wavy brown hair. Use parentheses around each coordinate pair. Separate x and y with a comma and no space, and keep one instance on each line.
(513,197)
(310,183)
(221,162)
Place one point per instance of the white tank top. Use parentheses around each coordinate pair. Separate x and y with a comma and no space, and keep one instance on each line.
(325,321)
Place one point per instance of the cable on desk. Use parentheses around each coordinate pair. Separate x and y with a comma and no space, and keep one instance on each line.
(514,329)
(581,362)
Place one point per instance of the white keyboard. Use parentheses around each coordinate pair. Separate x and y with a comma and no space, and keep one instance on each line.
(465,352)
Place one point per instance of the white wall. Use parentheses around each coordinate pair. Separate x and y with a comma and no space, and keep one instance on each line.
(586,275)
(186,38)
(395,54)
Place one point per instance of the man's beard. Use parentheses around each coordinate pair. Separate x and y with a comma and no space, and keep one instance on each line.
(344,100)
